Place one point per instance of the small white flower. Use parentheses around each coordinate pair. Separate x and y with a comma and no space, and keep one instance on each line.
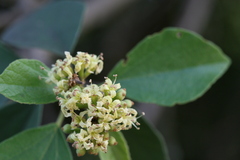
(95,109)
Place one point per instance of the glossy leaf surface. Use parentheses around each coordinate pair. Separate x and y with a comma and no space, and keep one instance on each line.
(172,67)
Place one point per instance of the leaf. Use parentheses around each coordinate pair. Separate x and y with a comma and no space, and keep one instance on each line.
(3,100)
(118,152)
(17,117)
(170,67)
(20,82)
(146,143)
(54,27)
(7,56)
(43,143)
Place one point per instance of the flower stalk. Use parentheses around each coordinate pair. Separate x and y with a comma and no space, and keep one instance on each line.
(60,119)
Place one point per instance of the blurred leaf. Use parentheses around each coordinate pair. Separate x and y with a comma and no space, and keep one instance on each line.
(3,100)
(54,27)
(43,143)
(7,56)
(20,82)
(170,67)
(146,143)
(118,152)
(18,117)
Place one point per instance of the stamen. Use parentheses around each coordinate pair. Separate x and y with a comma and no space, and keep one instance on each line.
(135,126)
(115,75)
(143,114)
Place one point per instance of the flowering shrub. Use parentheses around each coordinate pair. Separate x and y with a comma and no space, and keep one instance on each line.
(174,66)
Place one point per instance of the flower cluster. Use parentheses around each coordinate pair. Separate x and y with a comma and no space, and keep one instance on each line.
(73,70)
(95,109)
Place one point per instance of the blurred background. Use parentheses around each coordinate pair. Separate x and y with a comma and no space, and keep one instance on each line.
(206,129)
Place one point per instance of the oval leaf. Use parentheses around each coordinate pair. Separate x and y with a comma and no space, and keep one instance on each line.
(118,152)
(54,27)
(28,116)
(20,82)
(146,143)
(170,67)
(43,143)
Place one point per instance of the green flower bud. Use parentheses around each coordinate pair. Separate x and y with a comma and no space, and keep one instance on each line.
(112,141)
(124,104)
(67,129)
(128,102)
(106,136)
(80,152)
(121,94)
(93,151)
(69,139)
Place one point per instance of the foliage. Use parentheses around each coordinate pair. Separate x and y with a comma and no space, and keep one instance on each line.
(171,67)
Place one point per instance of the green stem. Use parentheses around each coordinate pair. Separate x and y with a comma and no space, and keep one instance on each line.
(60,119)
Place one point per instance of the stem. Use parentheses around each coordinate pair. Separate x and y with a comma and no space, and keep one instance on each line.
(60,119)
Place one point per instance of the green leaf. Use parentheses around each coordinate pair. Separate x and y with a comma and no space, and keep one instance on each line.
(170,67)
(43,143)
(7,56)
(20,82)
(54,27)
(146,143)
(118,152)
(3,101)
(17,117)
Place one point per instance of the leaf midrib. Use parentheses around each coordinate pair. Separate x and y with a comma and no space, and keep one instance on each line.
(169,71)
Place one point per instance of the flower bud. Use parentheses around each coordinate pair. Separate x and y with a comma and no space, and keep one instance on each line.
(121,93)
(67,128)
(106,136)
(69,138)
(128,102)
(80,152)
(112,141)
(93,151)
